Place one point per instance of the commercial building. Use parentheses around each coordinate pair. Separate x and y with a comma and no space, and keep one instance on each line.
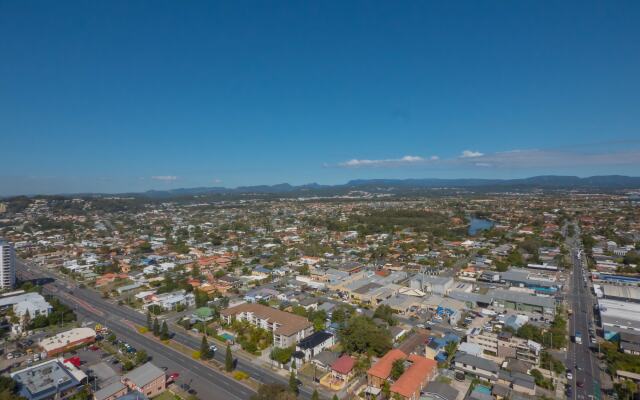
(440,285)
(111,392)
(630,343)
(49,380)
(539,282)
(7,265)
(68,340)
(288,329)
(620,293)
(146,379)
(619,316)
(524,302)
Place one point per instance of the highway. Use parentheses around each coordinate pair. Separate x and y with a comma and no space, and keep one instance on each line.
(581,361)
(209,384)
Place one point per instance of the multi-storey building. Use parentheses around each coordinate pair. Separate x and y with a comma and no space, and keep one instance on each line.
(504,345)
(7,265)
(288,329)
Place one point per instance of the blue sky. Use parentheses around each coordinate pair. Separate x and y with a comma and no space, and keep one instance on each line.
(133,95)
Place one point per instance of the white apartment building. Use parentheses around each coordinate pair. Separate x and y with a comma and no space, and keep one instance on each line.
(504,345)
(7,265)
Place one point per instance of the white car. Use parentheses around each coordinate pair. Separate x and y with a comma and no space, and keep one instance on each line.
(569,376)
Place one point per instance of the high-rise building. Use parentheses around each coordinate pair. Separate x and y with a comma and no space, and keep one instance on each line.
(7,265)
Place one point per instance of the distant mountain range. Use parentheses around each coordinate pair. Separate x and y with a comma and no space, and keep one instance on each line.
(555,182)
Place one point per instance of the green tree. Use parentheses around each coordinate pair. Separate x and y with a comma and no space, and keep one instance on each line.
(164,332)
(386,389)
(397,369)
(149,321)
(228,360)
(141,357)
(293,383)
(282,355)
(204,348)
(315,395)
(156,327)
(361,335)
(385,313)
(450,349)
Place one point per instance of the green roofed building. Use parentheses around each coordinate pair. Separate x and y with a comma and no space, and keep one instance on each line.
(203,314)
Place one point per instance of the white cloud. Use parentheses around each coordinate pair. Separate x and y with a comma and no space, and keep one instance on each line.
(388,162)
(534,158)
(520,158)
(165,178)
(216,180)
(471,154)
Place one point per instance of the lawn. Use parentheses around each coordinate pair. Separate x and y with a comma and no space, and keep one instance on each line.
(167,395)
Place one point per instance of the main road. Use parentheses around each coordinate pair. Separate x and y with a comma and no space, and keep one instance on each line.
(209,384)
(581,359)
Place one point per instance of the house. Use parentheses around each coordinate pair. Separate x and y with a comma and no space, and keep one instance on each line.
(313,344)
(439,391)
(170,301)
(325,359)
(342,369)
(517,382)
(127,288)
(396,333)
(481,368)
(260,294)
(414,342)
(147,379)
(261,271)
(288,329)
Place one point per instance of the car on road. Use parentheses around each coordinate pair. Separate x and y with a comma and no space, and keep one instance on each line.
(569,376)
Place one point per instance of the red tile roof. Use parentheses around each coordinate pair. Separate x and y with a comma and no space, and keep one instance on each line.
(382,369)
(421,370)
(343,365)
